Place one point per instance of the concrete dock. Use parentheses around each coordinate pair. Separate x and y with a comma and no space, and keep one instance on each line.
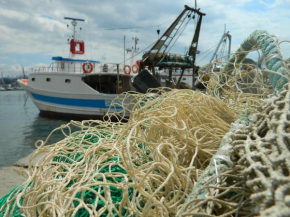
(14,175)
(9,178)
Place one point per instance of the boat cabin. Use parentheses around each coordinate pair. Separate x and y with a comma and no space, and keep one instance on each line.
(109,83)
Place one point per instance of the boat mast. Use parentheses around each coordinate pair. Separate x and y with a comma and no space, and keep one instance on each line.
(223,39)
(193,50)
(133,51)
(74,24)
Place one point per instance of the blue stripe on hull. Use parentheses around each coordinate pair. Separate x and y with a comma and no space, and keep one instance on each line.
(93,103)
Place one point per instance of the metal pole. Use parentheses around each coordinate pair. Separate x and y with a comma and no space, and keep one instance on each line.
(170,76)
(124,49)
(117,79)
(230,43)
(179,79)
(74,23)
(193,47)
(218,47)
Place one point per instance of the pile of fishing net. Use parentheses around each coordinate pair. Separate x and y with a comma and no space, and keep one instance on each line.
(251,177)
(180,153)
(144,167)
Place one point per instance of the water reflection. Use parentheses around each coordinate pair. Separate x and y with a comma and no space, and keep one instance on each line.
(21,126)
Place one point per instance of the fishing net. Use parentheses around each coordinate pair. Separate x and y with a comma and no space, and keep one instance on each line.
(249,85)
(258,183)
(263,150)
(180,153)
(144,167)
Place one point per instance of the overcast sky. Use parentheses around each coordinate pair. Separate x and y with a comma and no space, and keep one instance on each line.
(32,31)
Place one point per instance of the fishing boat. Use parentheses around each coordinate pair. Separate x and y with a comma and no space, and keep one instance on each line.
(72,86)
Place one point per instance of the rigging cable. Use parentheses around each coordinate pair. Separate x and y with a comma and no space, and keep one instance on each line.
(207,54)
(138,52)
(181,31)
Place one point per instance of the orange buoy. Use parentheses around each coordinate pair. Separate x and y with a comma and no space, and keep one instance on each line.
(88,67)
(135,68)
(127,69)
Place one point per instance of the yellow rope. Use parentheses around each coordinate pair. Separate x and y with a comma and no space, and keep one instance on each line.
(180,131)
(153,158)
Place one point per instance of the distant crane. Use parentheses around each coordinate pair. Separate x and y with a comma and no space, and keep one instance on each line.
(3,82)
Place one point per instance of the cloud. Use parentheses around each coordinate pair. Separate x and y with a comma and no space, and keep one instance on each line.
(242,20)
(33,31)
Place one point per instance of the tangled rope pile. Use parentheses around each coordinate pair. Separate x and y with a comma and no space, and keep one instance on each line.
(181,153)
(247,86)
(263,150)
(258,182)
(243,80)
(145,167)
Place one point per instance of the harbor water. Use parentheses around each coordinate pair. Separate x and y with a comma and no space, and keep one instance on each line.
(21,126)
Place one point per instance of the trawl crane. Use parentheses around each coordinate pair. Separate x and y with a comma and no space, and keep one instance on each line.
(159,56)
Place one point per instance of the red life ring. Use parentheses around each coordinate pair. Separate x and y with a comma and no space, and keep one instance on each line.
(127,72)
(88,67)
(135,68)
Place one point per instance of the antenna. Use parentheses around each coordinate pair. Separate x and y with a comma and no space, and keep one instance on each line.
(71,18)
(74,23)
(135,42)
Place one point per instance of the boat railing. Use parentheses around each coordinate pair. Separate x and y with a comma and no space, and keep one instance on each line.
(76,67)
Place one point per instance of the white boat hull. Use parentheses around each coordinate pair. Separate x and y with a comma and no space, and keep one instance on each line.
(65,103)
(93,107)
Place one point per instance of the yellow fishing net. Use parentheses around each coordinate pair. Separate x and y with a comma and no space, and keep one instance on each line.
(180,153)
(144,167)
(245,84)
(244,177)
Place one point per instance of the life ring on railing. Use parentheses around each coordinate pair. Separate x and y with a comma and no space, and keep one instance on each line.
(135,68)
(88,67)
(127,69)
